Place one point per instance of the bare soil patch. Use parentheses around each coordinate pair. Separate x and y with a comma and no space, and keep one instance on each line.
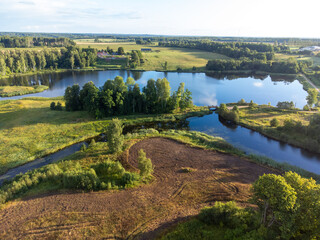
(139,213)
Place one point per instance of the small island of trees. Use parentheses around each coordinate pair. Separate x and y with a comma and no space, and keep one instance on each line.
(117,97)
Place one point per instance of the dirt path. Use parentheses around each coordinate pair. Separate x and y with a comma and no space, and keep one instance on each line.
(139,213)
(310,82)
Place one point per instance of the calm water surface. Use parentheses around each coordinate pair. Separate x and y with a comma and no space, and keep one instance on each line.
(207,90)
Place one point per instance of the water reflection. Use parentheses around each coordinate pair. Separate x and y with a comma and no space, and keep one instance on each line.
(207,89)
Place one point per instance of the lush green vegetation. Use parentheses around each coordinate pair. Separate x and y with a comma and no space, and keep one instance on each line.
(29,129)
(23,61)
(290,66)
(119,98)
(27,42)
(85,171)
(289,208)
(9,91)
(285,123)
(236,50)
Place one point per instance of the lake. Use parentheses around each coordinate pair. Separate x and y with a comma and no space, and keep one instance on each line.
(206,90)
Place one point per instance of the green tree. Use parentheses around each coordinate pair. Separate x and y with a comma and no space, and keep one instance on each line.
(151,94)
(53,106)
(58,107)
(144,164)
(274,122)
(89,97)
(275,197)
(114,135)
(163,92)
(120,51)
(312,97)
(72,98)
(186,100)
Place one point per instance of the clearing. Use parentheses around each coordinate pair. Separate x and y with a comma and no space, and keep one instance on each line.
(143,212)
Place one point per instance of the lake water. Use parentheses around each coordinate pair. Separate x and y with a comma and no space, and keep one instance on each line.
(207,90)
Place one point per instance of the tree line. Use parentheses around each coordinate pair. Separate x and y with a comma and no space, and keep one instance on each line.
(237,50)
(27,42)
(22,61)
(117,97)
(291,65)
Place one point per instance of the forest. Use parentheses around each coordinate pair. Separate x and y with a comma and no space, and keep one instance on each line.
(290,66)
(22,61)
(117,97)
(27,42)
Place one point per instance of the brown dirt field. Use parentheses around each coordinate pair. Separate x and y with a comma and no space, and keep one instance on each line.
(140,213)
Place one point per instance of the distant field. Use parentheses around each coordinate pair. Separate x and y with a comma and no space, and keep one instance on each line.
(281,56)
(183,58)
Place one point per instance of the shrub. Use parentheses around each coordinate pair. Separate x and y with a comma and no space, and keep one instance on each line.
(274,122)
(85,180)
(252,104)
(144,164)
(58,107)
(109,169)
(53,106)
(235,108)
(226,214)
(114,135)
(242,101)
(306,108)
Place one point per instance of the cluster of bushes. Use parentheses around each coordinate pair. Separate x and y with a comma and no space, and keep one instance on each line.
(119,98)
(289,208)
(231,115)
(70,175)
(54,106)
(21,61)
(291,66)
(285,105)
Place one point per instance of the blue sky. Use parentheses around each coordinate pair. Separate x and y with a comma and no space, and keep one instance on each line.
(271,18)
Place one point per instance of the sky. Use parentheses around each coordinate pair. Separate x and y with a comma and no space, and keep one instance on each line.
(244,18)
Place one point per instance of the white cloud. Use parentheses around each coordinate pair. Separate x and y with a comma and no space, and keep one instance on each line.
(258,84)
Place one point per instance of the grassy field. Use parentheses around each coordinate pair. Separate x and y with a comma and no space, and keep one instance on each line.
(29,129)
(182,58)
(9,91)
(259,119)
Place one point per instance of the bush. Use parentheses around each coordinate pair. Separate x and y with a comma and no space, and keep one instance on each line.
(235,108)
(58,107)
(144,164)
(252,104)
(274,122)
(306,108)
(53,106)
(109,170)
(114,135)
(85,180)
(226,214)
(242,101)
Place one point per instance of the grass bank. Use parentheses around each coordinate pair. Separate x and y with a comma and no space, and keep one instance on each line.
(10,91)
(292,125)
(29,129)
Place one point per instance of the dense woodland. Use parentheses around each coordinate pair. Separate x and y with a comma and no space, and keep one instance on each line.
(117,97)
(290,66)
(22,61)
(27,42)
